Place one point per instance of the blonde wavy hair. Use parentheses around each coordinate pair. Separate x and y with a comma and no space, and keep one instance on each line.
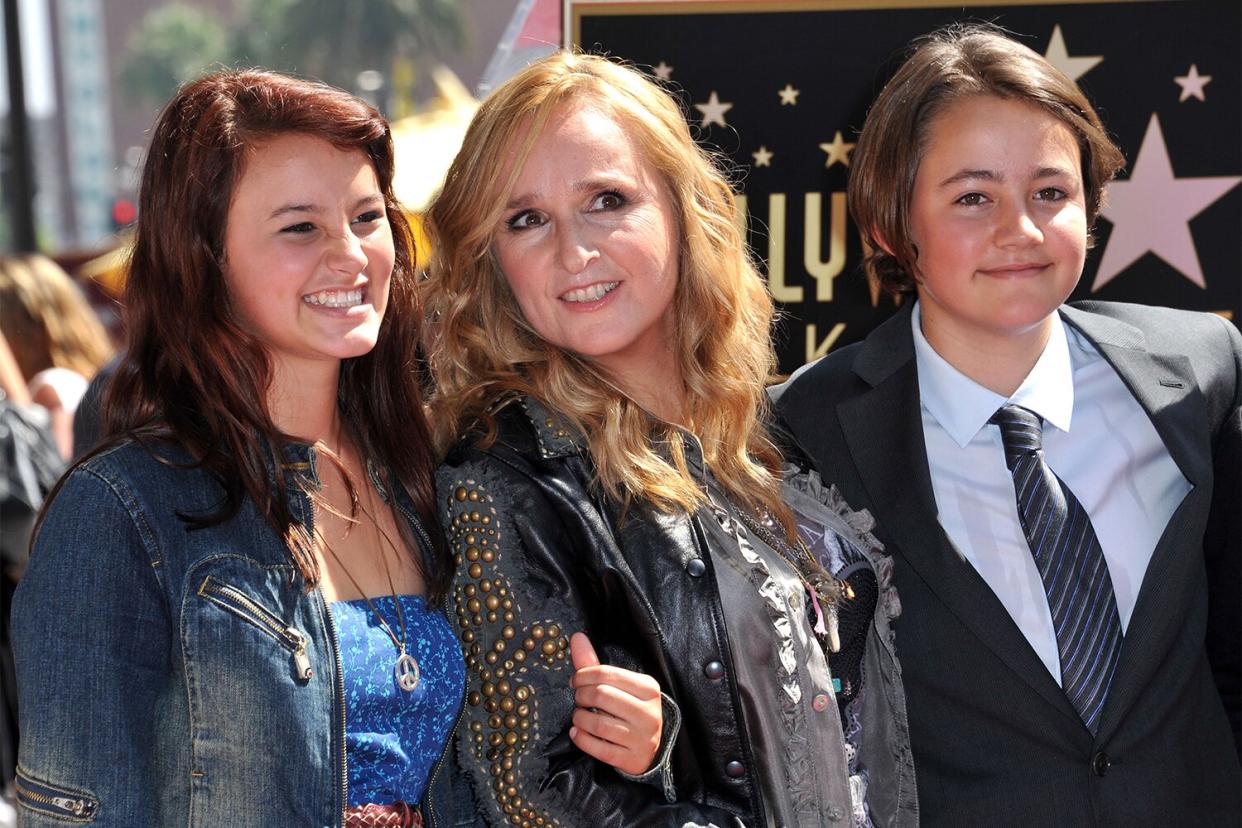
(483,353)
(47,320)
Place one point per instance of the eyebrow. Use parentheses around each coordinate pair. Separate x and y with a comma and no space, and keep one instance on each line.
(586,185)
(374,198)
(992,175)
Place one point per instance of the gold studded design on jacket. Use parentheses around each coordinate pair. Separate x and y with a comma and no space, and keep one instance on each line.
(501,647)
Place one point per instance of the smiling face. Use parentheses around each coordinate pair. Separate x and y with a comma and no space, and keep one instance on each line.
(308,252)
(588,243)
(999,222)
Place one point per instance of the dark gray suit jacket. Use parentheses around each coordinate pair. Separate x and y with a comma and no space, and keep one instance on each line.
(995,740)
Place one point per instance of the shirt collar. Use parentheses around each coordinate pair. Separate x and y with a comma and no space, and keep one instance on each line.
(963,406)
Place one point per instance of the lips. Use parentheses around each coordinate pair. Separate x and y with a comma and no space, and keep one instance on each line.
(1017,269)
(336,298)
(590,293)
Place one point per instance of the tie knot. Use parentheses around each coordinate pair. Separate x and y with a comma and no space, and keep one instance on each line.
(1022,432)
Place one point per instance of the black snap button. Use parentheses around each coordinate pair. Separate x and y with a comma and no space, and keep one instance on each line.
(713,670)
(835,813)
(735,769)
(1100,763)
(696,567)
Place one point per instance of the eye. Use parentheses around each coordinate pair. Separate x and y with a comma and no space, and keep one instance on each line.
(971,199)
(300,227)
(525,220)
(370,217)
(1051,194)
(610,200)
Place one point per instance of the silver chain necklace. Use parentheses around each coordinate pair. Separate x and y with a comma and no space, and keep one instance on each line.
(406,670)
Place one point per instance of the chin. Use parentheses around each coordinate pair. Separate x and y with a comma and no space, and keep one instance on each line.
(354,347)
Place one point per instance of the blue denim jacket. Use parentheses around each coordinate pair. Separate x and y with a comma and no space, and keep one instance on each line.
(176,677)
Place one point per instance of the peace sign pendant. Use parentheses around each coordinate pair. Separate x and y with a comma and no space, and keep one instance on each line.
(406,671)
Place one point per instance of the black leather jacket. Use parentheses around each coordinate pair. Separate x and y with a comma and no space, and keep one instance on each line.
(539,556)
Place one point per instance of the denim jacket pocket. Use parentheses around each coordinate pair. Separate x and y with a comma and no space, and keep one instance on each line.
(54,800)
(236,601)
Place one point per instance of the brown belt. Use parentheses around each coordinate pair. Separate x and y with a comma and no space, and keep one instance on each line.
(396,815)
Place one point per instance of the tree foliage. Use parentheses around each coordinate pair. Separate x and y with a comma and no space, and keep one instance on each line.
(171,45)
(327,39)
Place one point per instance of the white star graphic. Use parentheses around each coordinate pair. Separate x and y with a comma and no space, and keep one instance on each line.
(1151,211)
(1073,67)
(789,95)
(838,150)
(1192,84)
(662,71)
(762,156)
(714,110)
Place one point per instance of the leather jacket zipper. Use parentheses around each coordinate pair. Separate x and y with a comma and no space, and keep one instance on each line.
(237,602)
(429,816)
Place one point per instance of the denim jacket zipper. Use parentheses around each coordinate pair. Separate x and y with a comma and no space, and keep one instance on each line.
(340,703)
(241,604)
(50,800)
(308,520)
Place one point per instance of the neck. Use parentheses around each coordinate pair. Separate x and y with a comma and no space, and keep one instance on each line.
(650,374)
(302,402)
(659,390)
(998,362)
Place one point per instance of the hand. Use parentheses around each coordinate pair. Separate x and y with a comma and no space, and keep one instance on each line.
(619,716)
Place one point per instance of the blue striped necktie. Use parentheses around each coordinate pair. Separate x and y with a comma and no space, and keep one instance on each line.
(1071,565)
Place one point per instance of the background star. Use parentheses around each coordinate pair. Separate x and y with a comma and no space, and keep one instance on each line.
(714,110)
(1073,67)
(1151,211)
(662,71)
(762,156)
(1192,84)
(838,150)
(789,95)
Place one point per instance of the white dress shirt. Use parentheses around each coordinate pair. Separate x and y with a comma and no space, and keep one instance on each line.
(1112,459)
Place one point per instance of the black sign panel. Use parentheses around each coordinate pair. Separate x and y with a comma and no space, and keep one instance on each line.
(782,89)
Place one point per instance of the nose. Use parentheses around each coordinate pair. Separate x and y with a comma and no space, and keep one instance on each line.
(346,254)
(1016,227)
(575,249)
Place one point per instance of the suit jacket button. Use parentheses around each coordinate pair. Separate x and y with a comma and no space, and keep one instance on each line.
(1100,763)
(696,567)
(713,670)
(735,770)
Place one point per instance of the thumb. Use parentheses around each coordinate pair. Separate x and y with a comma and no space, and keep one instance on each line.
(581,651)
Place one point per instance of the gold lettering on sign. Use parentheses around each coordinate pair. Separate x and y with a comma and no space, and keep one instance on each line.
(814,349)
(781,292)
(824,271)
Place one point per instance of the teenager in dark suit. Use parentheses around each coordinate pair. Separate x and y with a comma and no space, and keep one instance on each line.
(1058,484)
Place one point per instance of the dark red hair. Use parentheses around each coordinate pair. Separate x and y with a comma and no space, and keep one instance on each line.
(191,371)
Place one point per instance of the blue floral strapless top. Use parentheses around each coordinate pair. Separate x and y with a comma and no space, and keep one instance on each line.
(394,737)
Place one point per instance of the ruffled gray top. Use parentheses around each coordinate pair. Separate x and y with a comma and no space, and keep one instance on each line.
(808,764)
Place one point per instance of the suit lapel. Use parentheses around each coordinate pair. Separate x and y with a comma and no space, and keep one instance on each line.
(883,430)
(1165,386)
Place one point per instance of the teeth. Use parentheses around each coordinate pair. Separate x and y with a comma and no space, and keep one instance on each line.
(335,298)
(590,294)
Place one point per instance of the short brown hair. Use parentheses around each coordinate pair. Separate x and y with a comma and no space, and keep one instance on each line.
(959,61)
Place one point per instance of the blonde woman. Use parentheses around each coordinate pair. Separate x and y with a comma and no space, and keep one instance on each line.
(601,349)
(57,339)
